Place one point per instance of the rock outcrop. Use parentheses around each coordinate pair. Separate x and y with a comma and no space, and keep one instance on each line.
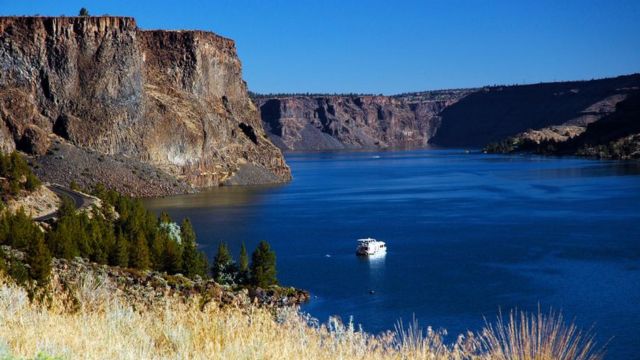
(449,118)
(172,99)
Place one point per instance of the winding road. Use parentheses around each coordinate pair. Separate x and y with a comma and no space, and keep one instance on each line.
(80,200)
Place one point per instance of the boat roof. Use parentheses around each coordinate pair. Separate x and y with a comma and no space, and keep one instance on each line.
(369,240)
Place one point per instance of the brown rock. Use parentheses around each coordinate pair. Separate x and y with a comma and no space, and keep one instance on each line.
(339,122)
(172,99)
(34,140)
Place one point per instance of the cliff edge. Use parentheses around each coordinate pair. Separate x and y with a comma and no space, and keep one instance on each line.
(164,107)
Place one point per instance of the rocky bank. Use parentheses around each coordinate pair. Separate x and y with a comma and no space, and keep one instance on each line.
(80,277)
(173,100)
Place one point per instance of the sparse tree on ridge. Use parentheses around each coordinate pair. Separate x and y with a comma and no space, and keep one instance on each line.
(83,12)
(243,265)
(263,266)
(39,260)
(224,269)
(193,262)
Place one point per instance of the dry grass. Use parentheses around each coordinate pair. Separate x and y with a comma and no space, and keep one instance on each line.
(537,336)
(103,326)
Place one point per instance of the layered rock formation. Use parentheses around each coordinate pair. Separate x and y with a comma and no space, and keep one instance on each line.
(172,99)
(348,122)
(450,118)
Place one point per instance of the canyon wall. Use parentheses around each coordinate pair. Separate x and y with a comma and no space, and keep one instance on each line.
(174,100)
(496,112)
(448,118)
(301,122)
(615,135)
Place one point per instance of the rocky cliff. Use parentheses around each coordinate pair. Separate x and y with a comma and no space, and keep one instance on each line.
(451,118)
(101,88)
(301,122)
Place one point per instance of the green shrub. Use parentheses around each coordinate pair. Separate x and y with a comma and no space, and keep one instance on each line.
(18,230)
(15,169)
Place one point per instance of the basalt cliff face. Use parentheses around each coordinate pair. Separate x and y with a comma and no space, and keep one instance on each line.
(450,118)
(100,86)
(301,122)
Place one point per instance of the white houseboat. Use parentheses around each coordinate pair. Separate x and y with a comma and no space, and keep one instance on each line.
(370,247)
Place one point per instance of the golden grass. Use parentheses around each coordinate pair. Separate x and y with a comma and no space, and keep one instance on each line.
(104,326)
(537,336)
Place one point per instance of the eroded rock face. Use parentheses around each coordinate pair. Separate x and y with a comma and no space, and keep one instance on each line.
(339,122)
(173,99)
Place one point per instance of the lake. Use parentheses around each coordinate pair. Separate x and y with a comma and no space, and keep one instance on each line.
(467,234)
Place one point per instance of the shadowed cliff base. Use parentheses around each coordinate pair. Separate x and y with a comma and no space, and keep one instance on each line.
(172,101)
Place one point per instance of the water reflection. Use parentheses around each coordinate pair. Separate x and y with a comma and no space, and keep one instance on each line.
(226,196)
(376,265)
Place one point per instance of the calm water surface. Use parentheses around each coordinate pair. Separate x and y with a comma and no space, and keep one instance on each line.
(468,234)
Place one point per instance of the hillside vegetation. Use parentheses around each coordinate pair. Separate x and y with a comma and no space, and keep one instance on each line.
(103,325)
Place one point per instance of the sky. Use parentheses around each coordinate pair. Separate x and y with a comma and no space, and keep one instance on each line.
(396,46)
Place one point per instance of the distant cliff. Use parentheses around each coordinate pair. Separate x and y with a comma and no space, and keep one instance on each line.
(494,113)
(615,136)
(300,122)
(450,118)
(100,89)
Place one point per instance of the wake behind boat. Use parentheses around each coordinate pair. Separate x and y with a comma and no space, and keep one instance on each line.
(370,247)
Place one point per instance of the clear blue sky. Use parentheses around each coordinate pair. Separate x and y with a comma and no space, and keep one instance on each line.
(396,46)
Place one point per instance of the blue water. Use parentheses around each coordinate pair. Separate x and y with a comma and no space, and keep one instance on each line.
(468,235)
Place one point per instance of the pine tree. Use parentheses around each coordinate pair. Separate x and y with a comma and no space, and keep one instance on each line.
(243,269)
(223,270)
(263,266)
(120,255)
(173,257)
(139,252)
(39,260)
(158,250)
(202,265)
(20,229)
(164,217)
(83,12)
(193,263)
